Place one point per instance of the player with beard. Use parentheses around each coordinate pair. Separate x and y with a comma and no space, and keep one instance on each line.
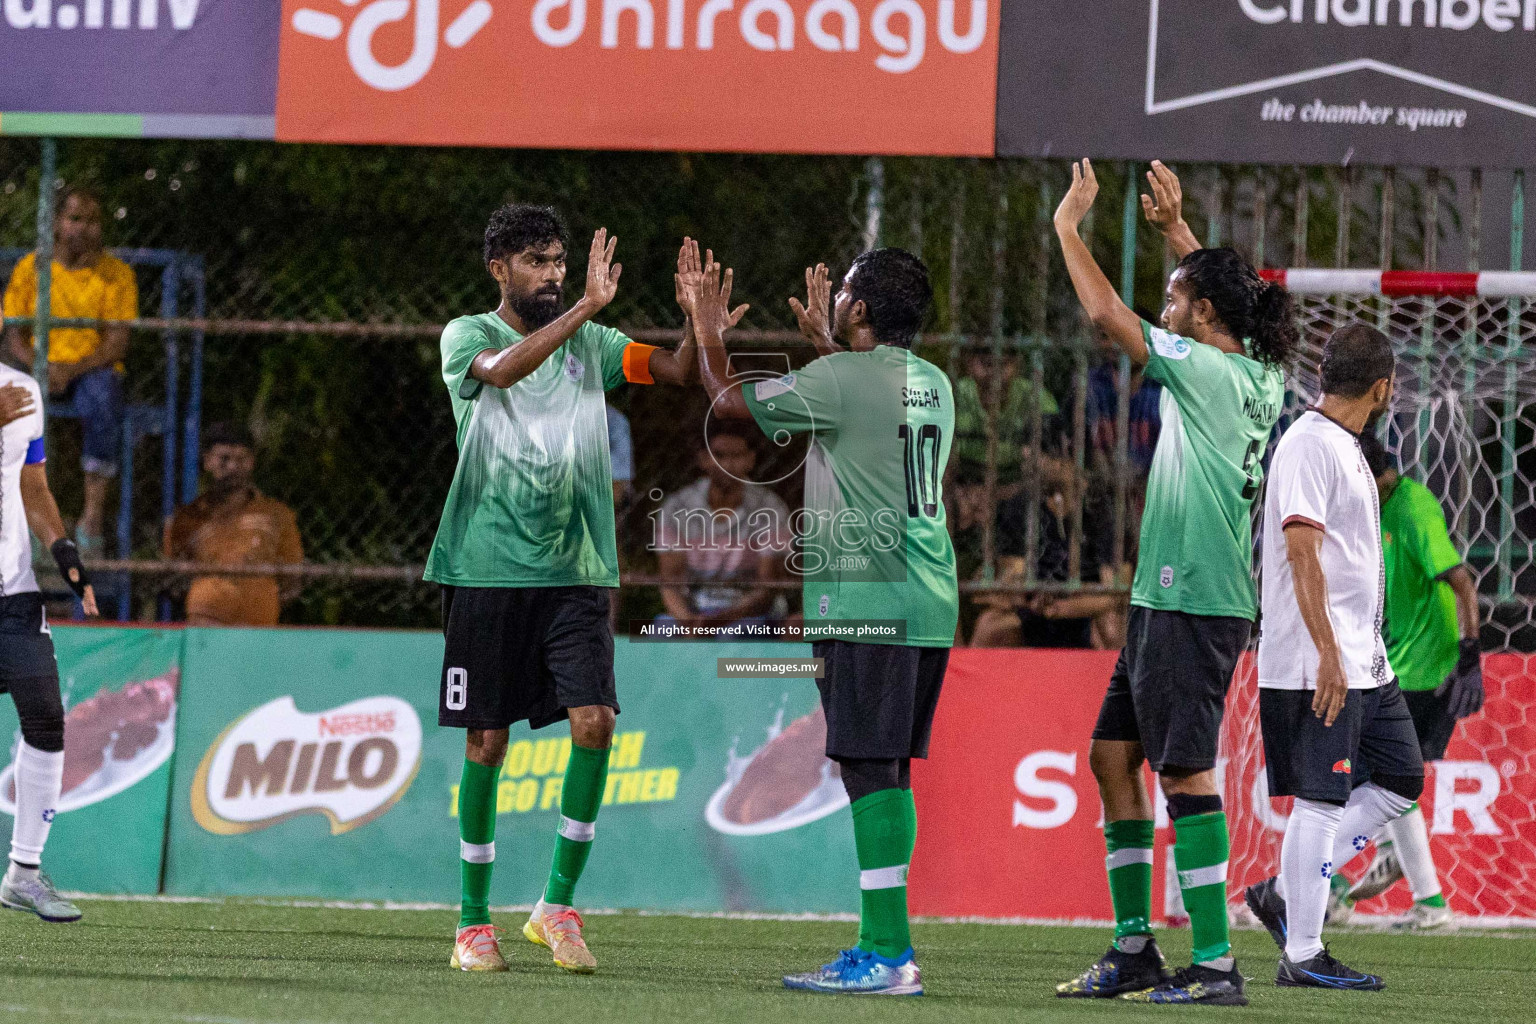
(525,552)
(1338,735)
(1219,355)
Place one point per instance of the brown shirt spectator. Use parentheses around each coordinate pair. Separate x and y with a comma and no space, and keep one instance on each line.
(232,523)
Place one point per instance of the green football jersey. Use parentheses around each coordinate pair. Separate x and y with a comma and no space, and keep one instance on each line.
(874,546)
(531,504)
(1420,627)
(1196,534)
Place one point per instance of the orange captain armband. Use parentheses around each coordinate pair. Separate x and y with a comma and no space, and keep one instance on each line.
(637,363)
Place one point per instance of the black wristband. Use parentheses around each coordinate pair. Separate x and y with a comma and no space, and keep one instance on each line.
(67,557)
(1470,656)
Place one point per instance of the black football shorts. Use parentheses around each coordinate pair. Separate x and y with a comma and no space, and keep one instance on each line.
(515,653)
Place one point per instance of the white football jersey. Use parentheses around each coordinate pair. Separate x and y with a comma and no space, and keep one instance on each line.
(1319,476)
(21,443)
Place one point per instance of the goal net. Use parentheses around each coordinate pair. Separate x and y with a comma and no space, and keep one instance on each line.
(1463,423)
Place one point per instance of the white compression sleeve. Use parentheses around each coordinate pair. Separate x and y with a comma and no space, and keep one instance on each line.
(39,778)
(1306,864)
(1369,811)
(1411,838)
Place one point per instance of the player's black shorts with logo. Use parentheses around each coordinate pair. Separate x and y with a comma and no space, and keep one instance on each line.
(26,646)
(524,652)
(1432,721)
(879,698)
(1372,735)
(1169,687)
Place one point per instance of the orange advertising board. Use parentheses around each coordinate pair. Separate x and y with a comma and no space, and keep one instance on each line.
(802,76)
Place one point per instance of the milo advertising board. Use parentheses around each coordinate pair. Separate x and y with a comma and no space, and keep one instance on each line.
(120,697)
(311,765)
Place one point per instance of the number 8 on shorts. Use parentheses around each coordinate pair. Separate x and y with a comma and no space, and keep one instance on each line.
(456,690)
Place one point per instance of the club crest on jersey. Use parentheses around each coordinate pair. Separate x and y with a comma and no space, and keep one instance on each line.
(1169,345)
(1165,578)
(574,368)
(766,389)
(824,604)
(1343,767)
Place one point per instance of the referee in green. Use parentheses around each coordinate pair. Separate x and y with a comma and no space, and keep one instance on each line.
(1430,629)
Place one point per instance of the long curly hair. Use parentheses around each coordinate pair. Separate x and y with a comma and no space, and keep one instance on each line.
(1246,304)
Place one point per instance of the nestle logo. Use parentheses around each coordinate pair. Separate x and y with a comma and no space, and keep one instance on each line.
(349,764)
(357,725)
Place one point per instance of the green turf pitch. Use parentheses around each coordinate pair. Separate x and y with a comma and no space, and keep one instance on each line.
(242,963)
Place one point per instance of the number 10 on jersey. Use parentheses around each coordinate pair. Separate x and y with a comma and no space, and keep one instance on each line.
(921,452)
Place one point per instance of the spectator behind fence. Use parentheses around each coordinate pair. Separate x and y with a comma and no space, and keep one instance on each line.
(1052,620)
(232,523)
(969,454)
(1143,423)
(1144,418)
(84,363)
(723,534)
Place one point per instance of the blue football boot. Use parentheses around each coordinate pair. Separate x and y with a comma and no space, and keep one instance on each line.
(856,972)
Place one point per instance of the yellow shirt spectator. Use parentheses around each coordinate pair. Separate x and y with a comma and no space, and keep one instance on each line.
(105,290)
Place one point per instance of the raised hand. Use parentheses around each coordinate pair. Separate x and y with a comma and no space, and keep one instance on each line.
(734,316)
(814,317)
(689,269)
(1079,198)
(711,298)
(1164,208)
(602,272)
(693,274)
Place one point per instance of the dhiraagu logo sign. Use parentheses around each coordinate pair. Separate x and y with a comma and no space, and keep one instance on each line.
(921,73)
(423,24)
(351,764)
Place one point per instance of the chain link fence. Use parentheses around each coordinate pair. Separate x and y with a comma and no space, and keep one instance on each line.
(321,277)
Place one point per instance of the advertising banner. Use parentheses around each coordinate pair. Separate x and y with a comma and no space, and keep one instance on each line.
(799,76)
(120,697)
(308,764)
(179,68)
(1412,82)
(312,766)
(1011,821)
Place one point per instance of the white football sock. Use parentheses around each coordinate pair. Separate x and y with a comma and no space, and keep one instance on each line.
(1369,811)
(1412,840)
(1306,864)
(39,778)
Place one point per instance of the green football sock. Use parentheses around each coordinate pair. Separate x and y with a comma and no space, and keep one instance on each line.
(1200,853)
(884,833)
(866,934)
(580,797)
(1129,865)
(1437,900)
(477,841)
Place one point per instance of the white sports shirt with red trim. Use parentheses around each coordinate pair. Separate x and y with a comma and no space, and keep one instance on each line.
(1318,476)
